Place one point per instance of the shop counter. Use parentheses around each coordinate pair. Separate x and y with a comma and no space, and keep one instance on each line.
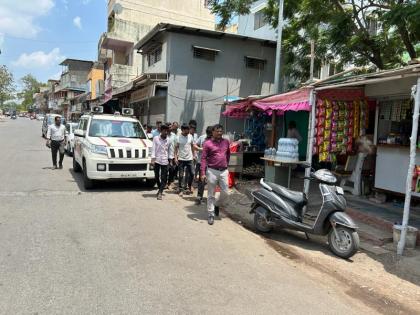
(391,167)
(280,172)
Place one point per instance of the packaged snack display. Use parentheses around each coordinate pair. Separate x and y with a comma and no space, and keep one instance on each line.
(337,124)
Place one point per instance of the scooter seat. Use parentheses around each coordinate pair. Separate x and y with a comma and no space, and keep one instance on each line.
(294,196)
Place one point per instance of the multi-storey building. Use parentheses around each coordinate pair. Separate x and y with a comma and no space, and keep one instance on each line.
(254,24)
(129,21)
(93,95)
(189,73)
(41,100)
(71,84)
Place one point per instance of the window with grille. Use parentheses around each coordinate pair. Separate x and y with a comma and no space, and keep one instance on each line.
(154,56)
(255,63)
(205,53)
(259,20)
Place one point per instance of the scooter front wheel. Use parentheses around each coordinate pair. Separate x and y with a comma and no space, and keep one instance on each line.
(347,243)
(261,224)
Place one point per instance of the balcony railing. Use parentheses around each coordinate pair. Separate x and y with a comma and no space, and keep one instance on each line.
(126,30)
(71,86)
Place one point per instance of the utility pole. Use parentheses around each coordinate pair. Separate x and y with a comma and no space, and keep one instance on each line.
(413,140)
(311,78)
(278,50)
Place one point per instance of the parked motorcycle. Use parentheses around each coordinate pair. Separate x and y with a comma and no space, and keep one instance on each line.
(275,205)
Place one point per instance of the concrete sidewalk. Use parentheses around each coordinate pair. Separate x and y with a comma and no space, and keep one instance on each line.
(375,220)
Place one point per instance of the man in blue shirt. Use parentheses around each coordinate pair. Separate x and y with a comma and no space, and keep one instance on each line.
(156,131)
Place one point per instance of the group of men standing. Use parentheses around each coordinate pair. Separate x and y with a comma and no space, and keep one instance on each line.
(181,153)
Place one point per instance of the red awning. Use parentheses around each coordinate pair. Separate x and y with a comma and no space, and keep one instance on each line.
(297,100)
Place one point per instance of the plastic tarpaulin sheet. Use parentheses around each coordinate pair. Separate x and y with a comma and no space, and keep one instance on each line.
(297,100)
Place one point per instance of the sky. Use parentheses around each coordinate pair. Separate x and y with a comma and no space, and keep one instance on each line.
(37,35)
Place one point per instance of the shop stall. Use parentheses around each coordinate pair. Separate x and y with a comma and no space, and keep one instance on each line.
(380,107)
(396,94)
(264,121)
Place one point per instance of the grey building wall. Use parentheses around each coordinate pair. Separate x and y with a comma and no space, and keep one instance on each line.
(161,66)
(246,24)
(197,87)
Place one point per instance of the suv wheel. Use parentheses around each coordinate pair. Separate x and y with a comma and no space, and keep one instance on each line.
(76,166)
(87,182)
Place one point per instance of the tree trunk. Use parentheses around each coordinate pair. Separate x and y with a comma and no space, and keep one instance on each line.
(402,30)
(377,58)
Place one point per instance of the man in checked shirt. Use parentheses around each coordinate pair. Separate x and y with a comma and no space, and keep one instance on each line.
(162,156)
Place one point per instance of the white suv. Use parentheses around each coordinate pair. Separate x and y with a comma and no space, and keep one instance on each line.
(110,147)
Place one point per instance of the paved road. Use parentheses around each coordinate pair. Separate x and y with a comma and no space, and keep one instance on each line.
(117,250)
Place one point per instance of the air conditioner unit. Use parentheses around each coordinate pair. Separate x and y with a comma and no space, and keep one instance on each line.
(128,112)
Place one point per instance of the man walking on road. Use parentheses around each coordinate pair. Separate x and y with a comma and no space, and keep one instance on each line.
(198,146)
(56,136)
(162,156)
(156,131)
(184,155)
(214,168)
(173,135)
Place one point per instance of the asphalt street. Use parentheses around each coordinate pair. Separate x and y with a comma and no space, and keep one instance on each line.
(117,250)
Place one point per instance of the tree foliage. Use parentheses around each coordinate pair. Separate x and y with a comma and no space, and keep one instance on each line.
(358,32)
(30,86)
(7,87)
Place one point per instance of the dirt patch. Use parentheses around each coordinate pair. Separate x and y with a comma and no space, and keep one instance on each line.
(372,280)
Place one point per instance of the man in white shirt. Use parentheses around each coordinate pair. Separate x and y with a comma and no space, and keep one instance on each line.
(173,169)
(56,136)
(162,156)
(184,155)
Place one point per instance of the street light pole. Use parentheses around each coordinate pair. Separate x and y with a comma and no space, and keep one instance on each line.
(278,50)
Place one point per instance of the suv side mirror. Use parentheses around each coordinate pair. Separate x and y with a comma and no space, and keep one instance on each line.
(80,133)
(150,136)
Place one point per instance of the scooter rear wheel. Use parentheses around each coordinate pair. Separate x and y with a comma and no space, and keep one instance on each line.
(260,223)
(347,245)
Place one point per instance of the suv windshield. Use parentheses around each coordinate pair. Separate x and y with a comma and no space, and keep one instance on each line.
(116,128)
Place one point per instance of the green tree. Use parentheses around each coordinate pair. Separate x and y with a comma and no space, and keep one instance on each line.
(30,86)
(7,87)
(359,32)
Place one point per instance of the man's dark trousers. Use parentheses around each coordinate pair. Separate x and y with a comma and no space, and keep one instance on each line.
(185,168)
(173,169)
(161,176)
(201,184)
(55,148)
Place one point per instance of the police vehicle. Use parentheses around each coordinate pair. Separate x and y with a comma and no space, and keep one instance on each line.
(109,147)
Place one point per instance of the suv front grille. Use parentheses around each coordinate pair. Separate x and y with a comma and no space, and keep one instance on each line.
(127,153)
(127,167)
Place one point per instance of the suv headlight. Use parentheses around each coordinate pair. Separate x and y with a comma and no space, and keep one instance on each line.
(98,149)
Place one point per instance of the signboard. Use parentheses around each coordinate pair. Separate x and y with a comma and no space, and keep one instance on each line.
(108,89)
(142,94)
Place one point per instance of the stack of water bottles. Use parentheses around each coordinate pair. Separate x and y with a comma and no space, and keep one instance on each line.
(288,151)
